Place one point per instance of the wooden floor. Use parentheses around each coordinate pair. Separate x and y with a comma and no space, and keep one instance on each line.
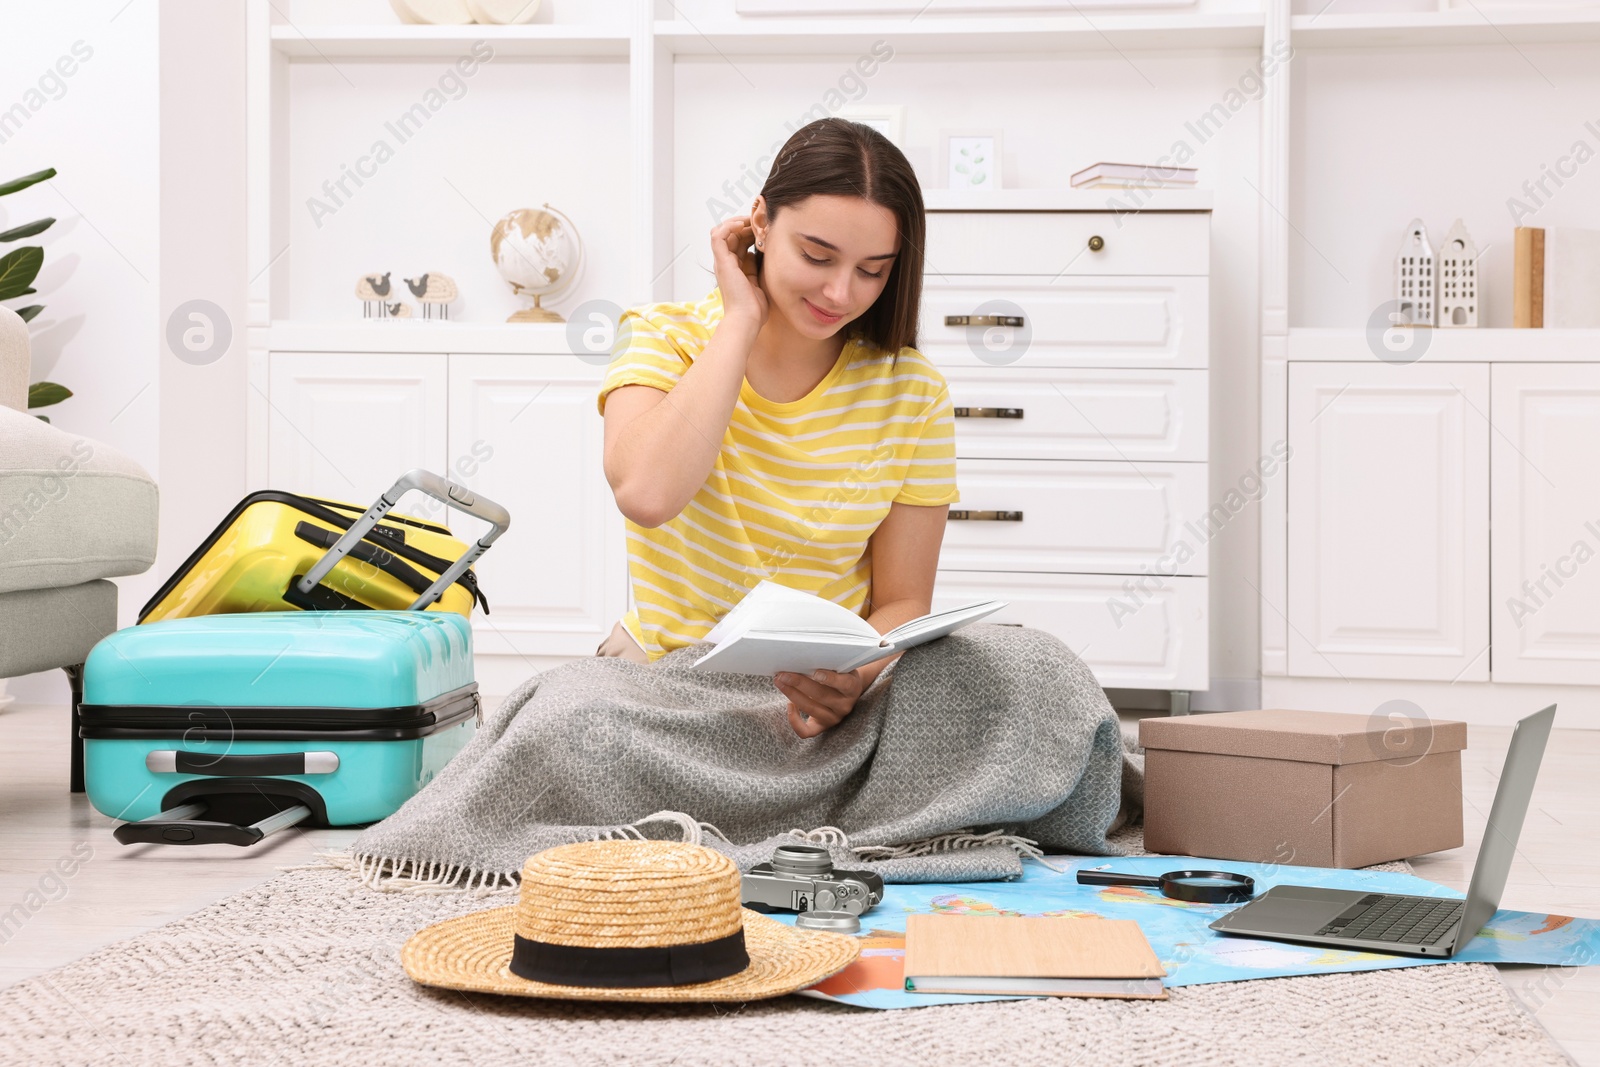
(118,891)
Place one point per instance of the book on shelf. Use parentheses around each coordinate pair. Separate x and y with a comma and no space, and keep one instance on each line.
(1555,277)
(1031,955)
(1135,176)
(776,628)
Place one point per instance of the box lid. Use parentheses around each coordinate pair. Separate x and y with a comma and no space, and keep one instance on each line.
(1305,736)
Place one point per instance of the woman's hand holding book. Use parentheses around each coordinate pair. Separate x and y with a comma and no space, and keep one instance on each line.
(819,702)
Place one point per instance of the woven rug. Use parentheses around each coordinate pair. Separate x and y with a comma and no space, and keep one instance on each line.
(304,970)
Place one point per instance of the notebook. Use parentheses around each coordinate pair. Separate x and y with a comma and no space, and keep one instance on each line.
(1031,955)
(775,628)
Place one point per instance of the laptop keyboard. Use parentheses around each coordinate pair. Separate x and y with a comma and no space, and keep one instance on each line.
(1399,920)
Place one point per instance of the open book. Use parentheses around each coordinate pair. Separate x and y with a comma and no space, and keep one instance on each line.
(775,628)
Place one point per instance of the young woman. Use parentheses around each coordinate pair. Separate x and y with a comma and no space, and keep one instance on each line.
(786,427)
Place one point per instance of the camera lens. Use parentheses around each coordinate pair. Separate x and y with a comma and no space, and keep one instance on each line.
(839,922)
(805,861)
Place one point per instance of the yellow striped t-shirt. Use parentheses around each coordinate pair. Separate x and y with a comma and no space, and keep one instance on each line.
(797,488)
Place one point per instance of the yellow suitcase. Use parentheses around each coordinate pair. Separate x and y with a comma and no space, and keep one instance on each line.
(257,559)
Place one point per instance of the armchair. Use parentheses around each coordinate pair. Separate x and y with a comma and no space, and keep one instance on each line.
(73,512)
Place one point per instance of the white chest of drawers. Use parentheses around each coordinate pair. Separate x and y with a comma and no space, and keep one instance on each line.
(1075,343)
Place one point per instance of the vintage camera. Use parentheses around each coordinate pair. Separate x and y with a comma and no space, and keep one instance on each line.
(801,878)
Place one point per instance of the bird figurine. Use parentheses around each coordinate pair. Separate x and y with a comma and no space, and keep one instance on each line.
(371,289)
(434,290)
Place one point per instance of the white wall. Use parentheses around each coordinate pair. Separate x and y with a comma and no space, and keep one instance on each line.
(99,128)
(202,226)
(148,137)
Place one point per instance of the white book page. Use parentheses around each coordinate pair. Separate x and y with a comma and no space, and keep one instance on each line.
(779,609)
(920,631)
(776,628)
(757,652)
(937,624)
(1083,987)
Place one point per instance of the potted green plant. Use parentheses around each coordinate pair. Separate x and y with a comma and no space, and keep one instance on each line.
(18,269)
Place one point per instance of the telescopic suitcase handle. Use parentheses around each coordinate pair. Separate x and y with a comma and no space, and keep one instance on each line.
(442,490)
(180,826)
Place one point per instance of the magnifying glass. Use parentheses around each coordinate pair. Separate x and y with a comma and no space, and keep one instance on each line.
(1198,887)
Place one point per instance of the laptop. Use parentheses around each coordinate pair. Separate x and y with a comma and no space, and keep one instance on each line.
(1398,923)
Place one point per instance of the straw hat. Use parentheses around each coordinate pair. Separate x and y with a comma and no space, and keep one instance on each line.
(626,920)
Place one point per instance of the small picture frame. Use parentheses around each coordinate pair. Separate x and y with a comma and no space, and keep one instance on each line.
(887,119)
(971,159)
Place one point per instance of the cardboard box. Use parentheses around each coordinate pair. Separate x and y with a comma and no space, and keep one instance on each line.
(1314,788)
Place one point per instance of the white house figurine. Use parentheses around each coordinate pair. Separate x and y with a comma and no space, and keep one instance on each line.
(1414,277)
(1458,278)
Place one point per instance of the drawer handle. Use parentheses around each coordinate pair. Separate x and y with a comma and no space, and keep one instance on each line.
(983,320)
(988,413)
(1096,243)
(984,516)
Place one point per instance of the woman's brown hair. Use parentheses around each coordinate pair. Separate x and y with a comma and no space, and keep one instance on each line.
(836,157)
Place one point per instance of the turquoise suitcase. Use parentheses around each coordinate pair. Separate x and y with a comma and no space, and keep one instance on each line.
(227,728)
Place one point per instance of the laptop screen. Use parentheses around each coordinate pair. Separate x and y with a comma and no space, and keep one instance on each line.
(1505,821)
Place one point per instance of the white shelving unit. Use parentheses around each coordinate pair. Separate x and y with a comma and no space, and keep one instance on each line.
(963,36)
(652,101)
(403,42)
(508,339)
(476,378)
(1427,29)
(1482,344)
(1423,490)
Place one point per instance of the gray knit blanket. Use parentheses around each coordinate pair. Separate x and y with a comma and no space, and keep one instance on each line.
(968,753)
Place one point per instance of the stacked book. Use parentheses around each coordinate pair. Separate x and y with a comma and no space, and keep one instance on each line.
(1135,176)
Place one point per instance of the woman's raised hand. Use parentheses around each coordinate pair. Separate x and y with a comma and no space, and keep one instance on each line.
(742,295)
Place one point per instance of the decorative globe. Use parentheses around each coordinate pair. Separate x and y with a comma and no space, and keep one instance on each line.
(539,254)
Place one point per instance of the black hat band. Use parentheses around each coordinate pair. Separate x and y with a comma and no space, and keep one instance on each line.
(626,967)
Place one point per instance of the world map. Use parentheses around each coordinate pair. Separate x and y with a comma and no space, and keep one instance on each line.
(1178,931)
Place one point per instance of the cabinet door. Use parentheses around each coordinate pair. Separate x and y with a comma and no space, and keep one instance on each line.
(1546,509)
(345,425)
(524,431)
(1388,521)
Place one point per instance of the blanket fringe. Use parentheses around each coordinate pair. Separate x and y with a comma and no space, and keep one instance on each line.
(419,877)
(822,835)
(693,830)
